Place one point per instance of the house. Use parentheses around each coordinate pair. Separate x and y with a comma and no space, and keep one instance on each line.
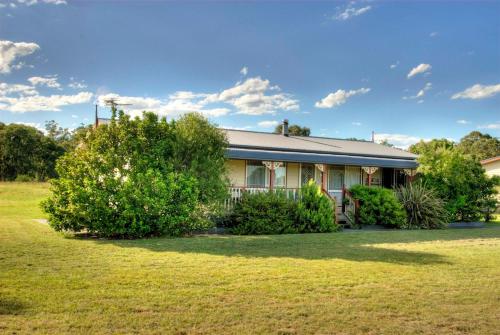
(260,161)
(492,168)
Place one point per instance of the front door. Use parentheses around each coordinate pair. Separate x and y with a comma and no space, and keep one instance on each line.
(336,178)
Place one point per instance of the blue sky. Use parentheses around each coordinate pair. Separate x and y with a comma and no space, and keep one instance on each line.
(405,70)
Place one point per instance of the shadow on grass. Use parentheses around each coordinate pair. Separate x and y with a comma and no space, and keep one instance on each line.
(10,306)
(362,247)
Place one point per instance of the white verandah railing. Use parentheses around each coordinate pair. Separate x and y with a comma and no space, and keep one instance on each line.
(235,193)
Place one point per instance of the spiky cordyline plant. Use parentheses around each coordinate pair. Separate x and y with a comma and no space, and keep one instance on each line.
(425,210)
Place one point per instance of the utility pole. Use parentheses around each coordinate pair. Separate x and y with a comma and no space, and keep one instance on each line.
(373,136)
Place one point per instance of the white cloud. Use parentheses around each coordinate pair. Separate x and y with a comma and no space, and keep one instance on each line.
(236,128)
(356,124)
(244,71)
(74,116)
(433,34)
(398,140)
(350,12)
(77,85)
(268,124)
(421,68)
(10,51)
(491,126)
(177,104)
(463,122)
(251,98)
(254,96)
(395,65)
(420,93)
(34,2)
(48,81)
(339,97)
(478,91)
(34,103)
(8,89)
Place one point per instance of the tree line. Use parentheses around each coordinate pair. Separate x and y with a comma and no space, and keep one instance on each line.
(27,153)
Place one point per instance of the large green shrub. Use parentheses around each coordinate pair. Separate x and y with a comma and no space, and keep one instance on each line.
(123,180)
(315,210)
(273,213)
(424,208)
(378,206)
(459,180)
(263,213)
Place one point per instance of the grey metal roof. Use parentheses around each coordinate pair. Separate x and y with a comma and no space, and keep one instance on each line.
(259,142)
(303,157)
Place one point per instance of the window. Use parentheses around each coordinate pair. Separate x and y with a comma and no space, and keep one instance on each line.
(335,178)
(280,176)
(306,173)
(257,174)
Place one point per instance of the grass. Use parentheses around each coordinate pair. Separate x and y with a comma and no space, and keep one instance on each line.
(397,282)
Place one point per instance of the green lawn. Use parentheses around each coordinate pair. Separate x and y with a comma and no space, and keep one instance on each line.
(396,282)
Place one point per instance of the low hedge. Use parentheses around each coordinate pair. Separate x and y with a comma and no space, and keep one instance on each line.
(378,206)
(274,213)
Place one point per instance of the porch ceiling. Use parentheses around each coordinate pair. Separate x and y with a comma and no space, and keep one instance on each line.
(300,157)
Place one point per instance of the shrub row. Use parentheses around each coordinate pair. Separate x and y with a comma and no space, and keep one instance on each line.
(414,206)
(274,213)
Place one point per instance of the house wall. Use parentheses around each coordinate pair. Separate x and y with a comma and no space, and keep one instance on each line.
(353,174)
(493,168)
(292,175)
(236,171)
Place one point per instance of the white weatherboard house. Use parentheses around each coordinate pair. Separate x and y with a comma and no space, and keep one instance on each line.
(260,161)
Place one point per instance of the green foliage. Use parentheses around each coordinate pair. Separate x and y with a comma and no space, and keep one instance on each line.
(200,152)
(424,208)
(315,210)
(273,213)
(294,130)
(479,146)
(123,180)
(423,147)
(24,178)
(378,206)
(26,151)
(263,213)
(458,179)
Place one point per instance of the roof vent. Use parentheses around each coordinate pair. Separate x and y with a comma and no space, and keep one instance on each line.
(284,129)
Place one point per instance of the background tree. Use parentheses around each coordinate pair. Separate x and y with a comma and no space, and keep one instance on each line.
(65,137)
(431,146)
(26,151)
(479,145)
(458,179)
(294,130)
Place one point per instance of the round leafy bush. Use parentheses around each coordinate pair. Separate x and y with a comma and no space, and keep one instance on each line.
(263,213)
(315,211)
(424,208)
(273,213)
(125,180)
(378,205)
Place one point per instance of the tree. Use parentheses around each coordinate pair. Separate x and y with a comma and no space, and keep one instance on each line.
(65,137)
(136,177)
(26,151)
(458,179)
(201,153)
(386,143)
(431,146)
(479,145)
(294,130)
